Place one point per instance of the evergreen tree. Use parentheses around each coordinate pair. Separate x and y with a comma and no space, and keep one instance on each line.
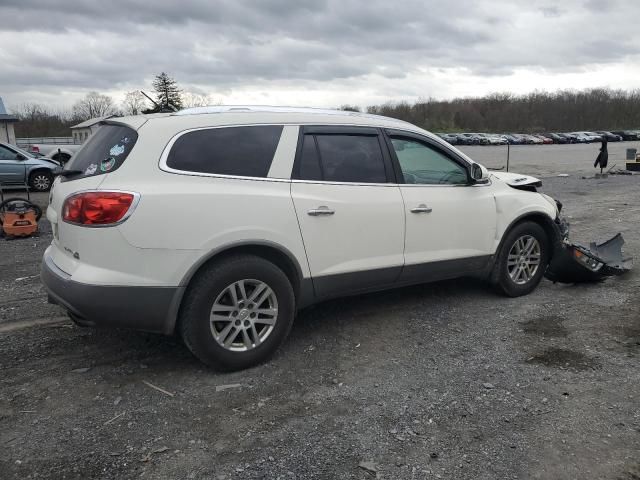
(167,91)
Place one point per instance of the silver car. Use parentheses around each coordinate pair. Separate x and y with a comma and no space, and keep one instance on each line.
(18,167)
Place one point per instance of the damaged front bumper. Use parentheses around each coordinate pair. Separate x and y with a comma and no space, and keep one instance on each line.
(576,263)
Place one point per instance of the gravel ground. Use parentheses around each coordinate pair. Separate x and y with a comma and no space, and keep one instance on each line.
(443,380)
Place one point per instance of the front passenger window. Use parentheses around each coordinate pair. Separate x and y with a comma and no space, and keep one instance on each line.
(425,165)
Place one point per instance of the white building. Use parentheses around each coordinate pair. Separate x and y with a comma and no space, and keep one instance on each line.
(84,130)
(7,133)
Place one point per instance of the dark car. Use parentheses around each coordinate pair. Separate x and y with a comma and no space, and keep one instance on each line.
(611,137)
(628,135)
(573,138)
(450,138)
(557,138)
(512,139)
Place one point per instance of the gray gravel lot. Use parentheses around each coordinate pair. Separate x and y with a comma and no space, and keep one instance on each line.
(443,380)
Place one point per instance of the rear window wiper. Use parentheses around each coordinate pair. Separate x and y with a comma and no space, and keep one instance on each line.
(69,173)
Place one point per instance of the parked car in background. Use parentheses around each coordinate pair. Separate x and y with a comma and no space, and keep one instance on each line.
(61,152)
(18,167)
(571,138)
(468,139)
(556,138)
(587,137)
(628,135)
(545,140)
(288,179)
(450,138)
(512,139)
(531,139)
(611,137)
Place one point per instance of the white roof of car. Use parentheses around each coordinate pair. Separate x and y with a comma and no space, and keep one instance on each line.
(219,115)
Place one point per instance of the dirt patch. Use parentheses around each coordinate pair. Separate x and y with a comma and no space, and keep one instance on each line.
(631,473)
(563,358)
(548,326)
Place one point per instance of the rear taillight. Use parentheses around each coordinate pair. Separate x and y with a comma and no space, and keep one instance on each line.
(97,208)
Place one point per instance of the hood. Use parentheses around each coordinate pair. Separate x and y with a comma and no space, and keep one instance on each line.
(517,180)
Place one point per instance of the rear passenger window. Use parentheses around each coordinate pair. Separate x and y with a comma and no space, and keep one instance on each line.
(241,151)
(343,158)
(309,161)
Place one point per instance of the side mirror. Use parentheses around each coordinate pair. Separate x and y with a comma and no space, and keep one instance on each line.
(19,156)
(479,174)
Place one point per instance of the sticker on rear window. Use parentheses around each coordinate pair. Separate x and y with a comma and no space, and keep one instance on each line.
(116,150)
(91,169)
(107,164)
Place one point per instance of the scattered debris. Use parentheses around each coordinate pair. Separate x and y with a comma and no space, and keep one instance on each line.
(21,279)
(81,370)
(488,386)
(113,419)
(369,466)
(222,388)
(117,401)
(575,263)
(563,175)
(160,450)
(149,384)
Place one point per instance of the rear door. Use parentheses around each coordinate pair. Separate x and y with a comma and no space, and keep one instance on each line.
(349,210)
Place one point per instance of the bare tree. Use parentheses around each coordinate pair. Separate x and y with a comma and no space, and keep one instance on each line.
(191,99)
(94,105)
(134,103)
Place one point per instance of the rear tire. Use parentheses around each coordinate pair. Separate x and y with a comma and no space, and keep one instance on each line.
(522,260)
(40,181)
(237,312)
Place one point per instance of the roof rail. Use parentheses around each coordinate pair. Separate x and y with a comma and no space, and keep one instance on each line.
(273,109)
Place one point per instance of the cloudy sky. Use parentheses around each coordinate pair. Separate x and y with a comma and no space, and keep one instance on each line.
(315,52)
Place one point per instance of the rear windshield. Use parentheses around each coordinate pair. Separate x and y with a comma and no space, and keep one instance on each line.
(104,152)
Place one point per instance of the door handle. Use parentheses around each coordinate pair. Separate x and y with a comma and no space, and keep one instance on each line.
(323,210)
(422,208)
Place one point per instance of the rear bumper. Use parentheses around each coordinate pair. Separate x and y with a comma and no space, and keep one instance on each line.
(152,309)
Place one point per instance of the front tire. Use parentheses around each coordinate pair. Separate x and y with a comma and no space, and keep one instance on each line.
(40,181)
(237,312)
(522,260)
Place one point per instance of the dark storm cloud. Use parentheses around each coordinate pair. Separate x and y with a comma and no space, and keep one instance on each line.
(115,45)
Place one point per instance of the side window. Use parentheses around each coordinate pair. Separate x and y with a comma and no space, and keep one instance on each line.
(351,158)
(309,160)
(240,151)
(425,165)
(6,154)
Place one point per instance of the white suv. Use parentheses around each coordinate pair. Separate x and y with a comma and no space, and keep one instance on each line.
(221,223)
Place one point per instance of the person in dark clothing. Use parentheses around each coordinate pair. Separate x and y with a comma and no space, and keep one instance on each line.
(603,156)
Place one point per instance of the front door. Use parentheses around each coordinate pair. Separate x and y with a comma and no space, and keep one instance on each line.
(12,170)
(350,216)
(450,223)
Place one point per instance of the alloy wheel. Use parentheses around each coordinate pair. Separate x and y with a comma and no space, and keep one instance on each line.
(244,315)
(523,261)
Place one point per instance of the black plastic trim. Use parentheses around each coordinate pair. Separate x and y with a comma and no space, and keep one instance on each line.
(141,308)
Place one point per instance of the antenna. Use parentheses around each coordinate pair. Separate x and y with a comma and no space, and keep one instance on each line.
(158,106)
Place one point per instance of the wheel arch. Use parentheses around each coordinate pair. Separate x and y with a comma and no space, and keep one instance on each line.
(550,228)
(278,255)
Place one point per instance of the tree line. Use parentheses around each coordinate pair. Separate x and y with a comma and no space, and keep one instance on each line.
(561,111)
